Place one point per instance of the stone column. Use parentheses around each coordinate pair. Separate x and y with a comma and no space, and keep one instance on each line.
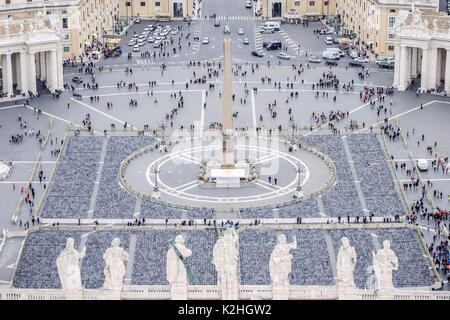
(23,72)
(424,70)
(8,74)
(53,75)
(59,68)
(32,72)
(42,66)
(15,70)
(447,72)
(438,67)
(403,82)
(432,65)
(397,66)
(414,63)
(48,69)
(227,106)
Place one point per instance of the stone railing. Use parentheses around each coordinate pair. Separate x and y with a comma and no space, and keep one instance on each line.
(208,292)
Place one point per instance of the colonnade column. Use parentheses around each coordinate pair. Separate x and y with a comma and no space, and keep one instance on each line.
(447,72)
(53,76)
(433,68)
(438,67)
(424,70)
(18,67)
(403,82)
(23,72)
(397,66)
(59,68)
(32,72)
(414,62)
(42,66)
(8,73)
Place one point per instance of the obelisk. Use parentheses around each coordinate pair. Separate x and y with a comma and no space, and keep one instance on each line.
(227,107)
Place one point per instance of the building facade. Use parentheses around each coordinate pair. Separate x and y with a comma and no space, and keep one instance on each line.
(303,8)
(82,22)
(30,49)
(422,51)
(373,21)
(130,9)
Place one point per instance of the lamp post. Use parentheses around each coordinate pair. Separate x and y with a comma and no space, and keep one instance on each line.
(155,169)
(294,127)
(299,190)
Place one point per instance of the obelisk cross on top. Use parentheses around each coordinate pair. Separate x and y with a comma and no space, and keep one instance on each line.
(227,107)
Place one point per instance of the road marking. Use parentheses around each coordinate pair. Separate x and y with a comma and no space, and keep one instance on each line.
(253,108)
(11,107)
(202,114)
(185,185)
(98,111)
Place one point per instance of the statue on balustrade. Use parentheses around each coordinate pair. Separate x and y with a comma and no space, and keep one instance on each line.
(225,259)
(115,258)
(346,262)
(68,264)
(176,270)
(384,262)
(281,261)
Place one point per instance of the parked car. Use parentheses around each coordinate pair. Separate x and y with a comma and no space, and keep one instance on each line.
(77,79)
(240,31)
(274,45)
(156,44)
(132,42)
(385,65)
(422,164)
(136,48)
(216,23)
(354,54)
(362,59)
(226,29)
(325,31)
(205,40)
(248,4)
(328,40)
(267,29)
(245,41)
(354,63)
(137,20)
(314,59)
(283,55)
(257,54)
(329,62)
(150,39)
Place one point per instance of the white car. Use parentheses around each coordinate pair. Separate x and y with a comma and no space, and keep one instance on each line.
(132,42)
(135,36)
(205,40)
(314,59)
(328,40)
(137,20)
(283,55)
(248,4)
(362,60)
(156,44)
(159,38)
(174,32)
(268,30)
(241,31)
(422,164)
(245,41)
(136,48)
(354,54)
(150,39)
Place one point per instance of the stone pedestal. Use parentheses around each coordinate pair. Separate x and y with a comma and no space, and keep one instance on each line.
(280,292)
(178,291)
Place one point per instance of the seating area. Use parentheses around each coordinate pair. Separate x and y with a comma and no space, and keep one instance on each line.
(345,187)
(200,213)
(413,269)
(265,212)
(362,241)
(37,267)
(92,268)
(156,210)
(303,208)
(310,264)
(70,193)
(113,201)
(376,180)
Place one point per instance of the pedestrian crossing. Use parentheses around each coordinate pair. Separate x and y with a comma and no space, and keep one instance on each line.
(298,50)
(232,18)
(258,41)
(196,35)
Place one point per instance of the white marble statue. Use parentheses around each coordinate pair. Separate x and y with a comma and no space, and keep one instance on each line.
(346,262)
(115,258)
(225,259)
(280,265)
(384,262)
(68,264)
(176,270)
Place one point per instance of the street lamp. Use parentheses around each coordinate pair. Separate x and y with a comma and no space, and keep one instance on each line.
(299,190)
(294,127)
(155,170)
